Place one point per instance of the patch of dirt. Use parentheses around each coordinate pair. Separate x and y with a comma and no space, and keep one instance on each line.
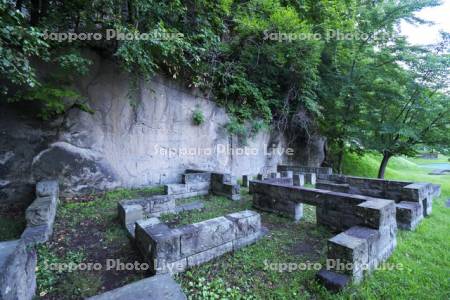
(308,248)
(91,238)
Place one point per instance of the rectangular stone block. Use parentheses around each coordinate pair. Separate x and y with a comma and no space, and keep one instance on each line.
(245,181)
(205,235)
(129,214)
(408,214)
(193,178)
(349,253)
(298,179)
(245,222)
(158,242)
(47,188)
(42,211)
(207,255)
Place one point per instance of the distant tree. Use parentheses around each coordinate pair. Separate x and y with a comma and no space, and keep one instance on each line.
(409,104)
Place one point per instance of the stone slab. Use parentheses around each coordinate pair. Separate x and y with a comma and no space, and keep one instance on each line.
(158,287)
(333,281)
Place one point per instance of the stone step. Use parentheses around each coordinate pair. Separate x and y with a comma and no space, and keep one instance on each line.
(158,287)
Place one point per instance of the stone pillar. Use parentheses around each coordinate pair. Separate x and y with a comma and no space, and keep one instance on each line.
(310,178)
(245,181)
(298,179)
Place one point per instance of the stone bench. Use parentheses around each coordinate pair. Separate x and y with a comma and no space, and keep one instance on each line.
(369,225)
(173,250)
(399,191)
(332,186)
(305,169)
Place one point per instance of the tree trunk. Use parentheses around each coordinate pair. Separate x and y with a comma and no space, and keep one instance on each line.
(383,165)
(340,157)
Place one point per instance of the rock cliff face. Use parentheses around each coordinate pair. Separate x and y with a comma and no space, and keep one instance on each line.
(141,139)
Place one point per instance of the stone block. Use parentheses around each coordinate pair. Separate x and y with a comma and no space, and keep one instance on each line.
(332,281)
(158,242)
(246,222)
(207,255)
(41,211)
(158,287)
(193,178)
(298,179)
(129,214)
(408,215)
(350,254)
(205,235)
(245,181)
(47,188)
(36,234)
(17,270)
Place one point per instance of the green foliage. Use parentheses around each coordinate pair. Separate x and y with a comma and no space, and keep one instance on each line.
(197,117)
(18,43)
(48,275)
(200,288)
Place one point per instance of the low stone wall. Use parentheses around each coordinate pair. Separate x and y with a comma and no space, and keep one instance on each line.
(173,250)
(130,211)
(222,185)
(369,224)
(304,169)
(18,258)
(404,193)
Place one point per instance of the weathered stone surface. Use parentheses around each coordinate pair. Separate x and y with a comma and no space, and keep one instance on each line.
(41,211)
(408,214)
(207,255)
(332,281)
(17,271)
(36,234)
(173,250)
(245,181)
(336,187)
(158,242)
(205,235)
(370,224)
(304,169)
(158,287)
(223,185)
(298,179)
(197,205)
(193,178)
(47,188)
(351,251)
(246,222)
(130,213)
